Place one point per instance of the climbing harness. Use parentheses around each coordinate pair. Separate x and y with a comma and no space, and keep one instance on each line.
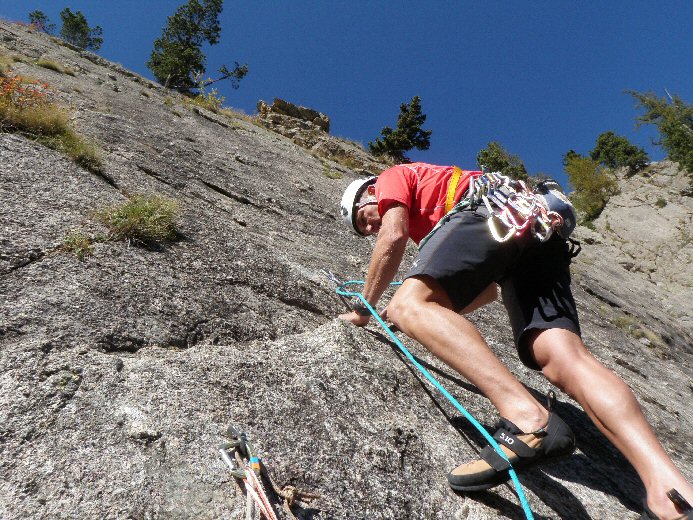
(514,208)
(247,467)
(343,291)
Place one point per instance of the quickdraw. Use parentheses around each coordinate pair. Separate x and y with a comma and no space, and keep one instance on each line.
(247,467)
(515,206)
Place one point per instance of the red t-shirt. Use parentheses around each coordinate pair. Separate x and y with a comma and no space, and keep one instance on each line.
(423,189)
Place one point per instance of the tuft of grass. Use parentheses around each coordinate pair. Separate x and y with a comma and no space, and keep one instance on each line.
(78,244)
(624,322)
(630,325)
(52,65)
(234,113)
(168,101)
(349,162)
(143,219)
(26,107)
(329,172)
(660,202)
(82,152)
(6,63)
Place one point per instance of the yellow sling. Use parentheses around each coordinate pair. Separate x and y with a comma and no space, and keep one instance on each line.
(452,188)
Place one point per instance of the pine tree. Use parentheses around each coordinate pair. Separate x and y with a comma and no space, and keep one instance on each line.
(674,120)
(616,151)
(407,135)
(76,30)
(495,158)
(177,60)
(39,20)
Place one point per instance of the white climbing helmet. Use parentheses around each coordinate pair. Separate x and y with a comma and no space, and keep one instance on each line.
(350,201)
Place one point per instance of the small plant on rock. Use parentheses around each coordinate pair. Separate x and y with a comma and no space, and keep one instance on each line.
(79,244)
(211,100)
(143,219)
(328,172)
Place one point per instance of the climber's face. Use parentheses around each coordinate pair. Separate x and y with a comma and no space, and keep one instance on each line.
(368,219)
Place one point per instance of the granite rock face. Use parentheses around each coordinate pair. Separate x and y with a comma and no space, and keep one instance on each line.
(120,373)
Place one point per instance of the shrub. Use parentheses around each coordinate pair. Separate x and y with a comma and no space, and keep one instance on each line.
(660,202)
(570,154)
(143,219)
(26,106)
(407,135)
(211,100)
(615,151)
(495,158)
(674,121)
(593,185)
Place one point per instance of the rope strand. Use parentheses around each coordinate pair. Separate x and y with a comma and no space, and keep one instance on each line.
(523,500)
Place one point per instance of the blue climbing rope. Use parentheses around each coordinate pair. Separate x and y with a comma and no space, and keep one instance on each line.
(343,292)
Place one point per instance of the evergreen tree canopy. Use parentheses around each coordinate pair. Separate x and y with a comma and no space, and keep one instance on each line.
(76,30)
(407,135)
(674,120)
(39,20)
(615,151)
(570,154)
(496,159)
(177,60)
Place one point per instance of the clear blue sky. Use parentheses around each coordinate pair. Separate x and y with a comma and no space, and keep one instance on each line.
(541,77)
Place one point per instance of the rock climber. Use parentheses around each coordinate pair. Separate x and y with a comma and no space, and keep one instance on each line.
(460,268)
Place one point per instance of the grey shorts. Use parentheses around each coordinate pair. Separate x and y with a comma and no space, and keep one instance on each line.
(534,277)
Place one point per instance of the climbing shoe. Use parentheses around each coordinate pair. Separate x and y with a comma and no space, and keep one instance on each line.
(552,442)
(680,502)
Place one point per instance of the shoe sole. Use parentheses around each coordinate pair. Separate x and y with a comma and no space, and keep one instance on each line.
(505,476)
